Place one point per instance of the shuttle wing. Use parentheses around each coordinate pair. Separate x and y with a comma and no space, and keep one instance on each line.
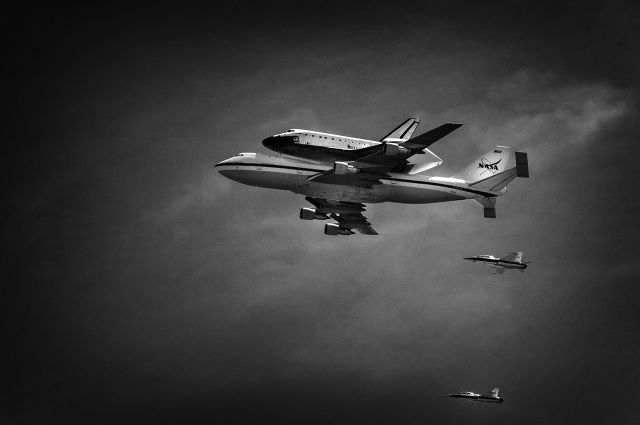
(430,137)
(348,215)
(376,161)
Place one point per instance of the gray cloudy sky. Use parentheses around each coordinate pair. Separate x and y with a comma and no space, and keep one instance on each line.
(141,286)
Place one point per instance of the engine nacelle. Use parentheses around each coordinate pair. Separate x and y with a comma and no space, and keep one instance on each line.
(394,149)
(311,214)
(343,168)
(334,229)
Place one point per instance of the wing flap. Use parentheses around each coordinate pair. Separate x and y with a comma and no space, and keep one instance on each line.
(347,214)
(368,230)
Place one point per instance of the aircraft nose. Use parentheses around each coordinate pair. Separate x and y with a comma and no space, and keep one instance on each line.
(270,142)
(226,161)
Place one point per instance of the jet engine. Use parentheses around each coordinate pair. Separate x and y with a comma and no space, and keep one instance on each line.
(335,229)
(311,214)
(343,168)
(394,149)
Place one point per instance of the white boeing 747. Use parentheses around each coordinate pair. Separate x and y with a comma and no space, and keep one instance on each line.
(339,174)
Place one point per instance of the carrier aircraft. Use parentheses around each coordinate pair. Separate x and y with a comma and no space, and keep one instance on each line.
(338,175)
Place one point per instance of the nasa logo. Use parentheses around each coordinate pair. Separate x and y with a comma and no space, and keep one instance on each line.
(492,167)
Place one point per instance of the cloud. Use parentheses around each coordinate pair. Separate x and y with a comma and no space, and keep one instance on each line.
(529,109)
(298,118)
(201,194)
(163,280)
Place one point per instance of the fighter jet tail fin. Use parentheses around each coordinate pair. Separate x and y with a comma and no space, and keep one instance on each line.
(494,392)
(514,256)
(495,169)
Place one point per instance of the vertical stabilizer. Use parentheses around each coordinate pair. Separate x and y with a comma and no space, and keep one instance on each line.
(494,392)
(495,169)
(514,256)
(404,131)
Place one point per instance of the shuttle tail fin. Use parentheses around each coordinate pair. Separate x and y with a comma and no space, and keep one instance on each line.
(494,392)
(404,131)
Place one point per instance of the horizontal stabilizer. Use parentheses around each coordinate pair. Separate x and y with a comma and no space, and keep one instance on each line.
(488,205)
(430,137)
(522,164)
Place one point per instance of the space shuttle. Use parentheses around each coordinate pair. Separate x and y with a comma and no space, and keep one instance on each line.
(318,147)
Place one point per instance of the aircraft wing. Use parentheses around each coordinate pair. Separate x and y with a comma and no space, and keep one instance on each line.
(514,256)
(430,137)
(348,215)
(376,161)
(497,270)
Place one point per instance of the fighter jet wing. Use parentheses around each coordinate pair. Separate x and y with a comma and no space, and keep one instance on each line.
(497,270)
(376,161)
(348,215)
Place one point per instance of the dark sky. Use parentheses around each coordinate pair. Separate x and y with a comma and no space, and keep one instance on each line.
(140,286)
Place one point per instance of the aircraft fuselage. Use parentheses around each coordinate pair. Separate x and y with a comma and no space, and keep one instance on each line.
(478,398)
(326,148)
(277,172)
(497,262)
(317,146)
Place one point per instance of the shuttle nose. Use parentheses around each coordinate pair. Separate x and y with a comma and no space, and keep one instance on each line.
(280,143)
(270,142)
